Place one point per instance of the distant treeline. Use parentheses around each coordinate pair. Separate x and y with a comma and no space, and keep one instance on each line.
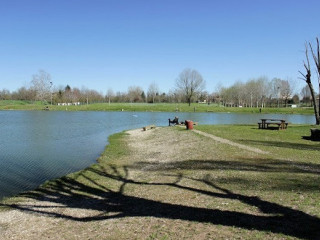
(263,92)
(260,92)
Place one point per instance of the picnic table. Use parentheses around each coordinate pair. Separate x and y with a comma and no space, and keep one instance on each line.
(269,123)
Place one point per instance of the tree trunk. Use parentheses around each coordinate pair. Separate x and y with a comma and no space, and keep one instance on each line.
(319,106)
(316,112)
(316,58)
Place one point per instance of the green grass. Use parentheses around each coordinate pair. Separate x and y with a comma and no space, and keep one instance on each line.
(281,143)
(18,103)
(142,107)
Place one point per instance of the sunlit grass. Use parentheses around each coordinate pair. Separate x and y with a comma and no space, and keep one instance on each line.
(149,107)
(289,143)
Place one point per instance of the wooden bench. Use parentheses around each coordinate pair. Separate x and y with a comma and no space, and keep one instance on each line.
(149,127)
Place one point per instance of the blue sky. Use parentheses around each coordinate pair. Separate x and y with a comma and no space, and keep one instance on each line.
(102,44)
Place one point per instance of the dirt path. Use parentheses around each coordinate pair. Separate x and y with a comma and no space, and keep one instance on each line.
(226,141)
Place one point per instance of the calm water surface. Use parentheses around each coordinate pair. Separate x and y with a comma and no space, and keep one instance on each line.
(38,145)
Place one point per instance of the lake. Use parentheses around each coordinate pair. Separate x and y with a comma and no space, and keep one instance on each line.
(36,146)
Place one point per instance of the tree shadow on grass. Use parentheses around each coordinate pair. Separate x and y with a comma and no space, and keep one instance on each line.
(306,179)
(279,144)
(309,138)
(245,164)
(111,204)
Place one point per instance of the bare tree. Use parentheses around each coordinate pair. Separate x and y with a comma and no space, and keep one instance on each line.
(306,95)
(76,94)
(203,96)
(41,84)
(316,58)
(281,90)
(275,86)
(85,92)
(263,91)
(307,78)
(174,96)
(135,94)
(120,97)
(110,94)
(5,94)
(153,91)
(23,93)
(68,94)
(239,92)
(190,82)
(251,92)
(285,91)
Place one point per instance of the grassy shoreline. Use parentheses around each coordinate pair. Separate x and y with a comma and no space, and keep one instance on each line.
(203,190)
(142,107)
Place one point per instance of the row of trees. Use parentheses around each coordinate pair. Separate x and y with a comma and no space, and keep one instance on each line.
(42,89)
(190,87)
(68,94)
(260,92)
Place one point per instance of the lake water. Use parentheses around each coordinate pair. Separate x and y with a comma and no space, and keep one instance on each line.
(39,145)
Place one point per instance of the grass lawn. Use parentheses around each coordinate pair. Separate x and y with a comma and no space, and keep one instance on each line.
(157,107)
(170,183)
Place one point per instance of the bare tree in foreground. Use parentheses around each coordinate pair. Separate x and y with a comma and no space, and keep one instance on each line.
(190,82)
(307,78)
